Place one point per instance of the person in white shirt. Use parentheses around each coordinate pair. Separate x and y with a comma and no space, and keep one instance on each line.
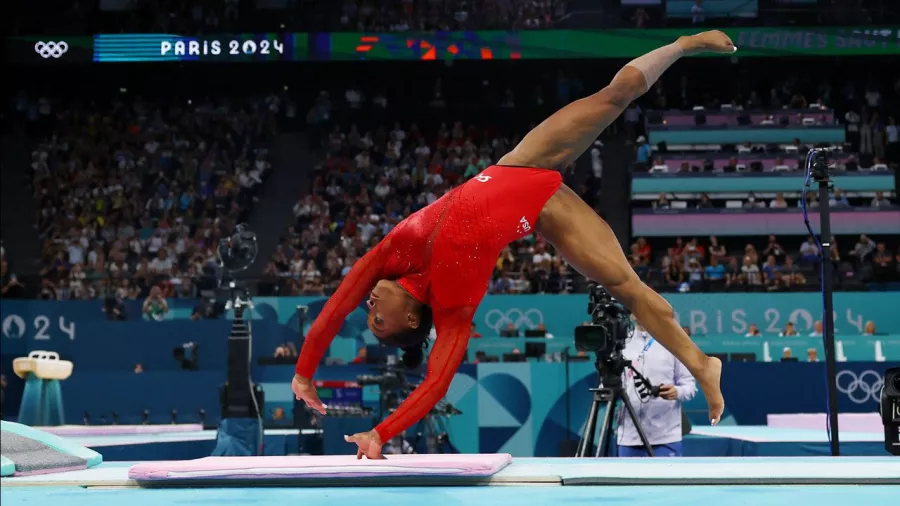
(778,202)
(659,166)
(753,331)
(818,329)
(751,272)
(697,16)
(660,417)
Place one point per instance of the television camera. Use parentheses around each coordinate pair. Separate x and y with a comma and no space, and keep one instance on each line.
(606,335)
(239,397)
(394,387)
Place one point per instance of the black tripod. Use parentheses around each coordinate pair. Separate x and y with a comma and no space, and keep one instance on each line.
(610,392)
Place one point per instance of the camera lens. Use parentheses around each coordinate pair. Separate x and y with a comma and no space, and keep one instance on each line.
(895,382)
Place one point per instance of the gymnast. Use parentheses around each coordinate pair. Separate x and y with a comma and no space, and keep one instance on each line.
(434,267)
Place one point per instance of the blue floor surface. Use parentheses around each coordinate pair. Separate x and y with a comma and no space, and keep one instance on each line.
(434,496)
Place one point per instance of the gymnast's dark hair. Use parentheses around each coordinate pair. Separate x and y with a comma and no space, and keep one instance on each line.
(413,342)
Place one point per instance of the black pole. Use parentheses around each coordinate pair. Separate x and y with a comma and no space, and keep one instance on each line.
(828,317)
(568,401)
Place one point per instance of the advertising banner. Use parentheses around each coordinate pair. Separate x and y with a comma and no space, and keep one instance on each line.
(427,46)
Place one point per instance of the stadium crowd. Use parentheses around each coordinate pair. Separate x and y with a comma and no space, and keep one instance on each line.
(235,16)
(369,181)
(708,265)
(132,198)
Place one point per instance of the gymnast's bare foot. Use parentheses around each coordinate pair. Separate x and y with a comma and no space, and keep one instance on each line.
(709,382)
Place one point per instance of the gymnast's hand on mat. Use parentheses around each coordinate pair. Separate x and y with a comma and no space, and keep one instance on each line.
(369,444)
(306,392)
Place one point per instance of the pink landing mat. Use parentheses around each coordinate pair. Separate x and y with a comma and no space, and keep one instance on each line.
(115,430)
(313,467)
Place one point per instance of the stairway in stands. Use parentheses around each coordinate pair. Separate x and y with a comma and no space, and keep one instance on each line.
(291,178)
(17,211)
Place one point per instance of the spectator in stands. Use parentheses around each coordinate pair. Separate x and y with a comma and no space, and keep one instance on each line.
(643,249)
(752,203)
(880,201)
(778,202)
(809,251)
(897,261)
(643,151)
(716,250)
(473,332)
(818,329)
(750,271)
(863,249)
(883,264)
(697,13)
(770,269)
(791,273)
(892,134)
(838,199)
(753,331)
(659,166)
(789,330)
(869,329)
(674,273)
(750,251)
(286,350)
(501,284)
(729,167)
(812,355)
(776,283)
(13,288)
(677,251)
(694,273)
(632,117)
(155,306)
(662,202)
(812,200)
(705,202)
(715,274)
(734,278)
(773,248)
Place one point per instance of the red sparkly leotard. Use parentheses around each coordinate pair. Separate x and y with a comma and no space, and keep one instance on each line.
(444,255)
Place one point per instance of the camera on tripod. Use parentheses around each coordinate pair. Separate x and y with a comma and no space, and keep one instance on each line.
(610,326)
(387,381)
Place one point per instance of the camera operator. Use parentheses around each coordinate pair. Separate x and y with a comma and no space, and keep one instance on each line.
(659,414)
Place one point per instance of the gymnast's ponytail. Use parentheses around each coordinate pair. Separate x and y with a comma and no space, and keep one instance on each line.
(414,355)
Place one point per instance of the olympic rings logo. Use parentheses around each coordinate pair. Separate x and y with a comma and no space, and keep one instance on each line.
(51,49)
(860,389)
(529,318)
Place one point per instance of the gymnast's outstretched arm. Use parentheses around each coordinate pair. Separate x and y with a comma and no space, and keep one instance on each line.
(564,136)
(352,290)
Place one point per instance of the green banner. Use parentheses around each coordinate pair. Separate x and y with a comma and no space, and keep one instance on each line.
(576,44)
(488,45)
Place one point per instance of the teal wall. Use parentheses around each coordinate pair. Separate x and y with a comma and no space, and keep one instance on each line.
(716,320)
(774,135)
(747,182)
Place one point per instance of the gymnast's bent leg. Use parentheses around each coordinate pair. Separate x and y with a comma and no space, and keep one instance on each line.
(590,246)
(581,236)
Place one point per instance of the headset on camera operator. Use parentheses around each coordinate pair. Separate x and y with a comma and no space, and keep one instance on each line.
(659,409)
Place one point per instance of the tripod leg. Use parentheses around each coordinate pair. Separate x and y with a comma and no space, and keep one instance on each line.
(587,440)
(606,429)
(637,424)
